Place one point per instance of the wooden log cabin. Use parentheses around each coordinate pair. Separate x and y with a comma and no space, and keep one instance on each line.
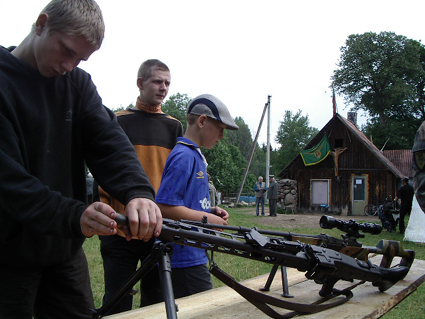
(354,174)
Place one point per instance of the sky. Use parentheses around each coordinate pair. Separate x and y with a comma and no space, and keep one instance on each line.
(241,51)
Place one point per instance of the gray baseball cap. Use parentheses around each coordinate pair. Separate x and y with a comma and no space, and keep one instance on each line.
(212,107)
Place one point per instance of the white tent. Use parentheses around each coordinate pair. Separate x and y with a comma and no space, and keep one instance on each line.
(415,230)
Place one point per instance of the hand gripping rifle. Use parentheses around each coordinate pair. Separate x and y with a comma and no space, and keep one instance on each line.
(324,259)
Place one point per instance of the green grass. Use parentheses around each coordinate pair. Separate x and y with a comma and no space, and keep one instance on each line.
(412,307)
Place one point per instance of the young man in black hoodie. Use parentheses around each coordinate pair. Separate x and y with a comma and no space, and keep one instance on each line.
(52,122)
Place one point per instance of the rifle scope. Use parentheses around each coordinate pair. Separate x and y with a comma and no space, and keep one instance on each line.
(328,222)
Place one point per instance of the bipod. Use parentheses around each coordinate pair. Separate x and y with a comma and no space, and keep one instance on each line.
(161,254)
(284,281)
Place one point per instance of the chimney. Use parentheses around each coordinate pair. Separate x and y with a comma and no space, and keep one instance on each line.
(352,117)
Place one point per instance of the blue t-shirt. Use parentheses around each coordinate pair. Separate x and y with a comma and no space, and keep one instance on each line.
(185,183)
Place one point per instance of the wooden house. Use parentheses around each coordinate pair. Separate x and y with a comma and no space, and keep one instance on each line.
(354,173)
(402,159)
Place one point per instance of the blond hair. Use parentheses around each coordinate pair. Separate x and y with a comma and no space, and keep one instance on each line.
(76,17)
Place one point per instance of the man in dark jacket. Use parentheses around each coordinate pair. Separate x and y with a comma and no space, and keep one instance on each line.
(405,194)
(52,122)
(272,196)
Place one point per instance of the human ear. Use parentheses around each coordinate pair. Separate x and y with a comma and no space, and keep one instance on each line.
(41,23)
(140,83)
(201,120)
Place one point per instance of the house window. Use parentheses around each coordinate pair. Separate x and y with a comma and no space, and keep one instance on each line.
(320,192)
(339,142)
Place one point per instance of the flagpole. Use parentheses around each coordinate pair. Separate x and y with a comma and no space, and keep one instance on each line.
(333,101)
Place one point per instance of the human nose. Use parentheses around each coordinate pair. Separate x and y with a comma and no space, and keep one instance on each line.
(68,66)
(163,86)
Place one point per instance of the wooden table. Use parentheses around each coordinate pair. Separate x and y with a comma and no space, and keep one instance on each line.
(225,303)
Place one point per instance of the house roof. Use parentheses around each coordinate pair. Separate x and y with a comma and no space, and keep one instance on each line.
(402,159)
(353,128)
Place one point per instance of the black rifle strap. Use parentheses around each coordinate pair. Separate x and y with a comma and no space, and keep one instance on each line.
(262,301)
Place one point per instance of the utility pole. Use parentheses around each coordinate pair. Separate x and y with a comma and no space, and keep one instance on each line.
(268,143)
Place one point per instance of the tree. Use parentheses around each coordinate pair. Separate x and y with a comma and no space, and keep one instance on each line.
(122,108)
(258,162)
(176,106)
(275,162)
(395,135)
(383,74)
(293,135)
(241,138)
(226,166)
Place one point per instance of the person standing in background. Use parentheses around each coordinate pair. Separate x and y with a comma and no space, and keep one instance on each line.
(213,192)
(153,135)
(272,196)
(405,194)
(260,193)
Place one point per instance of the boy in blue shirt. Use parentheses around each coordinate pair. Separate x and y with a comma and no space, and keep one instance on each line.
(184,191)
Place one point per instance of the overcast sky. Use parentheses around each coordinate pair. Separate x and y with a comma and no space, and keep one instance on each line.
(240,51)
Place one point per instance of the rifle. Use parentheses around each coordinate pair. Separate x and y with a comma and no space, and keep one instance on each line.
(320,262)
(348,245)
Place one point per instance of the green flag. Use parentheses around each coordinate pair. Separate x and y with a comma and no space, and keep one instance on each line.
(316,154)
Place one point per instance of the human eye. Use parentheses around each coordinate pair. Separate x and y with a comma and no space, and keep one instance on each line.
(67,51)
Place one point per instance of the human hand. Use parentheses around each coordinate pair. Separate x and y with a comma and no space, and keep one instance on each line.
(220,212)
(218,216)
(98,219)
(144,218)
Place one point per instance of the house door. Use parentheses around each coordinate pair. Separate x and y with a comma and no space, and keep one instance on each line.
(359,191)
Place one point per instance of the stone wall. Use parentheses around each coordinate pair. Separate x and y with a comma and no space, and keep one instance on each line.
(288,194)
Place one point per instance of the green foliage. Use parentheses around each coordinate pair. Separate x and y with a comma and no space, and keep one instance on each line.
(122,108)
(293,135)
(176,106)
(276,166)
(225,166)
(395,135)
(248,187)
(384,75)
(258,163)
(241,138)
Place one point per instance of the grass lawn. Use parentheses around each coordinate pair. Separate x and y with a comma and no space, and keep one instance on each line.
(240,268)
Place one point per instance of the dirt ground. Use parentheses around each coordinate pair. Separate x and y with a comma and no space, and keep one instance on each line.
(307,220)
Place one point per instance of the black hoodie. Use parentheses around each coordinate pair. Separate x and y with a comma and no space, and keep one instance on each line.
(50,127)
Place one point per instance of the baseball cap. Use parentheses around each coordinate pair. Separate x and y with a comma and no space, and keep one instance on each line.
(212,107)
